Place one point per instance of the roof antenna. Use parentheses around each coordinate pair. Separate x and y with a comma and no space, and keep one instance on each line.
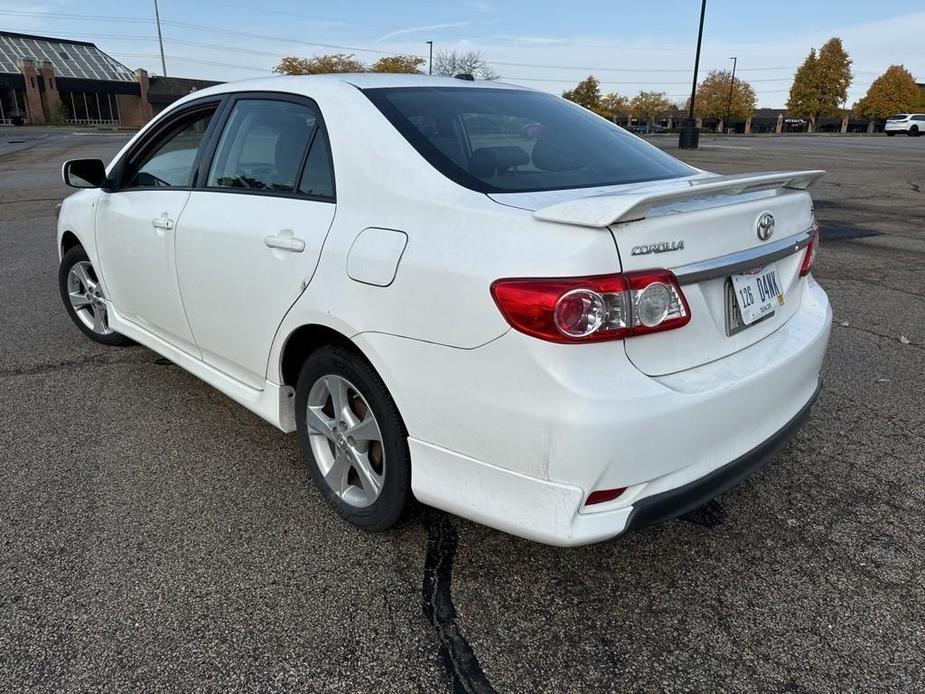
(465,76)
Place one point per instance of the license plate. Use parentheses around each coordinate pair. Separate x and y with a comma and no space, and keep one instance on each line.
(758,293)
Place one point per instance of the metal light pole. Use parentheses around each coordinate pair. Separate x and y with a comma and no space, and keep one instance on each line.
(160,38)
(690,137)
(430,61)
(732,85)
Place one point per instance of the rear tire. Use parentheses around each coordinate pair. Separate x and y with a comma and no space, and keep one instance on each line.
(84,300)
(353,438)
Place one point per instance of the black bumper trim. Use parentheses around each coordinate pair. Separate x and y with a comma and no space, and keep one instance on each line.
(676,502)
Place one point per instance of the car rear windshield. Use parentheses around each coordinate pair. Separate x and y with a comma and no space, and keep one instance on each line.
(899,116)
(511,140)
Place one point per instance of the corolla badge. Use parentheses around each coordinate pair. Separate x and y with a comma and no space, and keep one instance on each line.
(765,226)
(658,247)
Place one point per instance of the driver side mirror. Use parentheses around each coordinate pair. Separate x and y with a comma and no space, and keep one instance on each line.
(84,173)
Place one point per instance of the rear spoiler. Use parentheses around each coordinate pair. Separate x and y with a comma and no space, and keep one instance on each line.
(604,210)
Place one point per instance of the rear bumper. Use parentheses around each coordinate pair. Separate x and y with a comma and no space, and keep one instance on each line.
(676,502)
(549,512)
(517,433)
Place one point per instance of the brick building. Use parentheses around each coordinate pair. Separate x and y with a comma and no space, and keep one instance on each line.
(51,80)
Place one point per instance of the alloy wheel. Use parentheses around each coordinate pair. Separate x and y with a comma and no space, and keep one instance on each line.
(87,299)
(346,441)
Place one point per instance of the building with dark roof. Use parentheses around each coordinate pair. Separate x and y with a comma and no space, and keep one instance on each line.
(163,91)
(52,80)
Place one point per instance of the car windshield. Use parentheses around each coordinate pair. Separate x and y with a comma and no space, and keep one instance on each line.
(513,140)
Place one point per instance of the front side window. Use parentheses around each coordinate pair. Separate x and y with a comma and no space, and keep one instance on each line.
(512,140)
(170,163)
(263,146)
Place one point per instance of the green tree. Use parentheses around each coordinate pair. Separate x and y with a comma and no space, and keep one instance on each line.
(319,64)
(713,96)
(452,63)
(651,105)
(586,93)
(820,86)
(895,91)
(398,63)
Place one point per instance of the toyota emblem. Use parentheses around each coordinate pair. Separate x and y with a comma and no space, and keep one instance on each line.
(765,226)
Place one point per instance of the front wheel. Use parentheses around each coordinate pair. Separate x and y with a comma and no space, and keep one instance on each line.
(84,300)
(353,438)
(914,131)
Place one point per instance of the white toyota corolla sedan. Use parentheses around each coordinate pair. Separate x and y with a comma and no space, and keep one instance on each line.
(480,295)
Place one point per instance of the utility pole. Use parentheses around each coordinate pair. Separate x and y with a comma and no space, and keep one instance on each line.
(430,62)
(732,85)
(690,137)
(160,38)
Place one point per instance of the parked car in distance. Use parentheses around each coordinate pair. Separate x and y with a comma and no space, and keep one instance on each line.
(642,128)
(913,124)
(475,294)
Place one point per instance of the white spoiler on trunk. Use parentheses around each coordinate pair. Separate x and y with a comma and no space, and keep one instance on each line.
(604,210)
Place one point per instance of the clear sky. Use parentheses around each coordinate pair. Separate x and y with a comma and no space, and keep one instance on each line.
(546,44)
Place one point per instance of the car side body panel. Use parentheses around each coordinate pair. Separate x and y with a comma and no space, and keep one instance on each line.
(458,242)
(78,217)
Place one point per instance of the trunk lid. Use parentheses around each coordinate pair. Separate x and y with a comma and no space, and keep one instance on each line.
(704,229)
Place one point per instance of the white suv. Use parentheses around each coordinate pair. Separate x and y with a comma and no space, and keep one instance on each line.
(913,124)
(482,295)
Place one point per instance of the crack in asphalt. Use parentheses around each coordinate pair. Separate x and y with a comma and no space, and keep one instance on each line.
(16,202)
(872,283)
(92,360)
(437,604)
(891,338)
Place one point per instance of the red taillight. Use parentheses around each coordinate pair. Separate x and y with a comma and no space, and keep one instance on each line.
(593,309)
(810,258)
(602,495)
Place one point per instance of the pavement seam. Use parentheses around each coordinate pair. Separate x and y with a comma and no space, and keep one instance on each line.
(17,202)
(458,657)
(891,338)
(94,360)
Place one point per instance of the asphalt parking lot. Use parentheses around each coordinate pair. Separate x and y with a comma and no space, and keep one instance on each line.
(158,537)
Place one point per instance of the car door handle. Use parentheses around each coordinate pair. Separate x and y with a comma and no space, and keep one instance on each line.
(285,243)
(162,223)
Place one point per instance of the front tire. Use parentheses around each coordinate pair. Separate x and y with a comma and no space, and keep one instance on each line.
(353,438)
(84,300)
(914,131)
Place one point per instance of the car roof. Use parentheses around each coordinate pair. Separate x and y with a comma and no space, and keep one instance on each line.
(318,86)
(364,80)
(370,80)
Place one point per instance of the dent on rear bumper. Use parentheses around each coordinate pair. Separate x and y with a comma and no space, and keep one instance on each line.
(518,504)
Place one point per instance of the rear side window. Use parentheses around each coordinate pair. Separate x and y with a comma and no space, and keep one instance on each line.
(512,140)
(318,176)
(263,146)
